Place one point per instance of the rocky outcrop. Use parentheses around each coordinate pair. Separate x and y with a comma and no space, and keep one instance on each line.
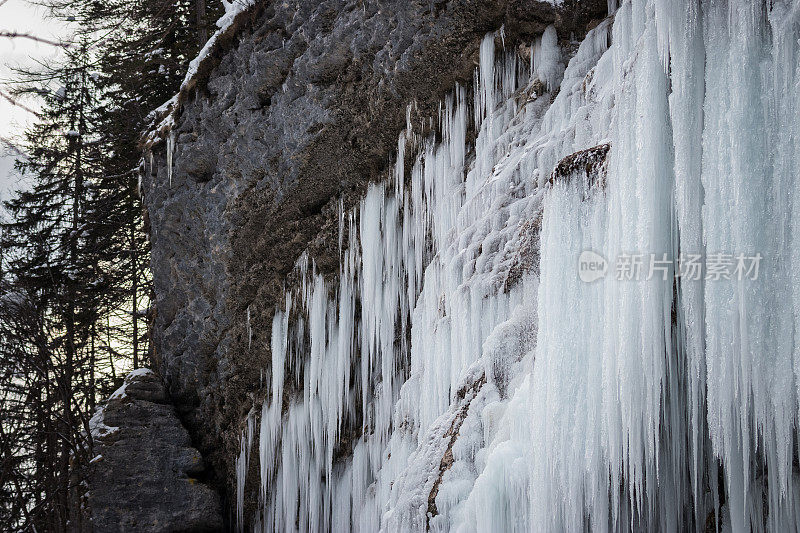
(292,116)
(590,165)
(464,397)
(146,476)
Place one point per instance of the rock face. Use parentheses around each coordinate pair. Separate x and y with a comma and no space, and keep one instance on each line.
(301,111)
(146,476)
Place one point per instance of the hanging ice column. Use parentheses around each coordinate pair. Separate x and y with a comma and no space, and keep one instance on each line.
(627,381)
(601,364)
(750,169)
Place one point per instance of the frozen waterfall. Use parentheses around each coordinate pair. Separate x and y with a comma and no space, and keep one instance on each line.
(461,374)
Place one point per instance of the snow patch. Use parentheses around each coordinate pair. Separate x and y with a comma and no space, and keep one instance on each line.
(97,426)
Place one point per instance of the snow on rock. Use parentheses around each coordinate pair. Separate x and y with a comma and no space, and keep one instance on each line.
(163,117)
(119,394)
(97,425)
(139,372)
(232,10)
(134,375)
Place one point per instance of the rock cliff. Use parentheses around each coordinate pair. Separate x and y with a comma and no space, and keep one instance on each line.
(146,476)
(290,118)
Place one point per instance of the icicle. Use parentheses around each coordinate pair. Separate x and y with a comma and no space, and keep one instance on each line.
(249,330)
(484,81)
(688,62)
(242,464)
(546,59)
(170,155)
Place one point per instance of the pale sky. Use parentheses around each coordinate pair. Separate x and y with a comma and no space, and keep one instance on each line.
(23,17)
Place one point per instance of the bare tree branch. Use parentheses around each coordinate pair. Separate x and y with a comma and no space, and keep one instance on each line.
(18,35)
(13,147)
(18,104)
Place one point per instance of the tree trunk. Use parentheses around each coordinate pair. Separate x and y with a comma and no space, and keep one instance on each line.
(134,280)
(202,32)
